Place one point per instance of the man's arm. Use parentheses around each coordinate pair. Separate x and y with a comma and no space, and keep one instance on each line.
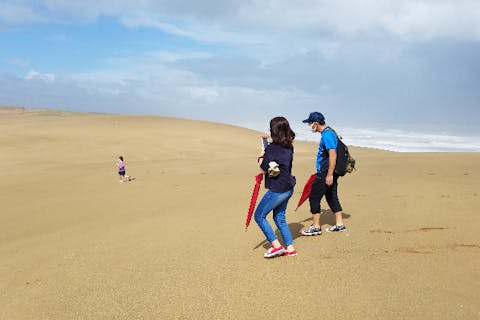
(332,161)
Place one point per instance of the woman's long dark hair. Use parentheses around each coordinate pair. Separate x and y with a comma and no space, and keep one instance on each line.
(281,132)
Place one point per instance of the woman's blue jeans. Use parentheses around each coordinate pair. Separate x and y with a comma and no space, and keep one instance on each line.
(278,203)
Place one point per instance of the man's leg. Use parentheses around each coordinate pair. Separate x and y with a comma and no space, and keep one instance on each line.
(335,206)
(316,220)
(319,188)
(339,218)
(316,194)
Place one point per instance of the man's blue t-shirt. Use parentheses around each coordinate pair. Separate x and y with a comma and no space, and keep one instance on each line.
(327,142)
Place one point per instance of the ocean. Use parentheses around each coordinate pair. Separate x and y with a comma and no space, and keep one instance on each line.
(390,139)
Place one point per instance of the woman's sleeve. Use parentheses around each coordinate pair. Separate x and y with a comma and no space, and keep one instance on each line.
(266,159)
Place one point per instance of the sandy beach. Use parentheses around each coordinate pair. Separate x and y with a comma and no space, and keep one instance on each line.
(76,244)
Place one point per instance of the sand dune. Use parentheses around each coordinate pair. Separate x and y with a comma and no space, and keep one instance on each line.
(76,244)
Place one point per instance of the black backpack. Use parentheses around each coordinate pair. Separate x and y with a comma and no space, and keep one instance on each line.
(345,162)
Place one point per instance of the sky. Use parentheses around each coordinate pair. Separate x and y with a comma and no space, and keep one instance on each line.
(401,68)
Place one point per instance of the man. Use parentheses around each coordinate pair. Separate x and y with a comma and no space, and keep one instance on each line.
(326,181)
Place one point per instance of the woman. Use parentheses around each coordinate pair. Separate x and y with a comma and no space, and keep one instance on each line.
(121,170)
(276,164)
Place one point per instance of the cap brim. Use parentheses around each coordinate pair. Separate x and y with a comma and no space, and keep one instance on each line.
(306,121)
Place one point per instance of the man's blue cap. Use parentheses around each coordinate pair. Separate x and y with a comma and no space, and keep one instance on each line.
(314,117)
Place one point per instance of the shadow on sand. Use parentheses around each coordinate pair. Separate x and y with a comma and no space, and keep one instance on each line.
(327,218)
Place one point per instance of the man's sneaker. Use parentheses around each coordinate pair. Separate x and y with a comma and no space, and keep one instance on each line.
(273,252)
(312,231)
(290,253)
(336,228)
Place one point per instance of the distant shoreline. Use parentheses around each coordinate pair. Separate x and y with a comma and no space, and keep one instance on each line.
(385,140)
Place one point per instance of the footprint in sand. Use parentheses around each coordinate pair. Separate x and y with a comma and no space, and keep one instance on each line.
(377,253)
(380,231)
(413,250)
(427,229)
(464,246)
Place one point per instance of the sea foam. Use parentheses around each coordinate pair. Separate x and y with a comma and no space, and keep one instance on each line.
(396,140)
(392,140)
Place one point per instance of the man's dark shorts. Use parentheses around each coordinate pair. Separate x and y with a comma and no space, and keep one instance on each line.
(319,189)
(122,173)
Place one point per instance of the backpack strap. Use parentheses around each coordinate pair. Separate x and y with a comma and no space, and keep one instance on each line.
(338,137)
(325,153)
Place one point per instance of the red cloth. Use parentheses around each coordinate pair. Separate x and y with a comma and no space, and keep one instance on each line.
(253,200)
(306,190)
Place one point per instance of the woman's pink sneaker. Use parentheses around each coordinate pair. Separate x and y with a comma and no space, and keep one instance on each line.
(274,252)
(290,253)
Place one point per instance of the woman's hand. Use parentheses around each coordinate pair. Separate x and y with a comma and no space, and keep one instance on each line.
(260,157)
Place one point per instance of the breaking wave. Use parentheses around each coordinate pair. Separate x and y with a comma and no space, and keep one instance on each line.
(395,140)
(392,140)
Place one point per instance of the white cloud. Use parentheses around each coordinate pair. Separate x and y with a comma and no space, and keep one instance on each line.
(250,21)
(19,62)
(436,19)
(13,14)
(408,19)
(205,94)
(145,20)
(45,77)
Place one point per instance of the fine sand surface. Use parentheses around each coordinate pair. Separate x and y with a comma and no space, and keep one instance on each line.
(76,244)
